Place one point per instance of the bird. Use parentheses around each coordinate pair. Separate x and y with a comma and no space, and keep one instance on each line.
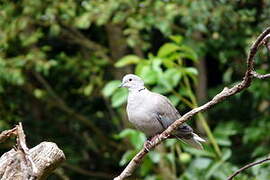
(152,113)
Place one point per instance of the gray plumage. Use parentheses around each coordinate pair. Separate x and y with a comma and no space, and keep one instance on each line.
(152,113)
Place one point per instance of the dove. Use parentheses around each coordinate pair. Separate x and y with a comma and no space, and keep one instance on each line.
(152,113)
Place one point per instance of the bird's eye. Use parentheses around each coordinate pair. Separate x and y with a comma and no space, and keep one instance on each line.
(130,79)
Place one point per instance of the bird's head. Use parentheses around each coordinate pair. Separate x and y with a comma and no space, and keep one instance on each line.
(132,81)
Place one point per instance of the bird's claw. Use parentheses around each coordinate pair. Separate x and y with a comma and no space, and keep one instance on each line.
(148,145)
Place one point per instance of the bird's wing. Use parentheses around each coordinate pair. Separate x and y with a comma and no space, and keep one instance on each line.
(166,114)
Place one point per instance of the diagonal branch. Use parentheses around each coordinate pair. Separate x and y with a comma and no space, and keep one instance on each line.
(225,93)
(247,166)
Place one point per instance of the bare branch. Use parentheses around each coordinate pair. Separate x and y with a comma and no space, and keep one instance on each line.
(246,167)
(7,133)
(225,93)
(260,76)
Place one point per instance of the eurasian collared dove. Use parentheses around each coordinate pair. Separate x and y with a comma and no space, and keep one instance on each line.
(152,113)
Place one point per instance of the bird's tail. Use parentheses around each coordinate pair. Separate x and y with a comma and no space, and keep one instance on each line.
(194,141)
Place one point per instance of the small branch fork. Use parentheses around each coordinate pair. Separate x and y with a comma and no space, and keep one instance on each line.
(250,74)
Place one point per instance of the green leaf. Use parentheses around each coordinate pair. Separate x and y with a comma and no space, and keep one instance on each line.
(147,74)
(146,167)
(174,99)
(128,155)
(191,71)
(119,97)
(223,141)
(160,89)
(227,76)
(154,156)
(127,60)
(176,38)
(87,90)
(136,138)
(110,88)
(185,158)
(173,75)
(124,133)
(213,169)
(170,157)
(187,52)
(199,152)
(226,154)
(163,81)
(201,163)
(83,21)
(167,49)
(39,93)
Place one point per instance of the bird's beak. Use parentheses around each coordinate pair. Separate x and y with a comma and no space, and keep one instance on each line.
(121,85)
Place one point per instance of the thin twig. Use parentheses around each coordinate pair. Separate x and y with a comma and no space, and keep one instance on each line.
(225,93)
(260,76)
(246,167)
(7,133)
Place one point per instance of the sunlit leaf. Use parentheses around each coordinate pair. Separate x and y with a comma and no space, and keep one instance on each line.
(167,49)
(119,97)
(176,38)
(148,75)
(110,88)
(127,60)
(173,75)
(191,71)
(128,155)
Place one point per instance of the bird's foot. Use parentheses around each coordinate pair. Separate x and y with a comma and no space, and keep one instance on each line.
(147,145)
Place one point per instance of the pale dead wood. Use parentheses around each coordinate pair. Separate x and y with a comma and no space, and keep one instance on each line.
(7,133)
(225,93)
(21,163)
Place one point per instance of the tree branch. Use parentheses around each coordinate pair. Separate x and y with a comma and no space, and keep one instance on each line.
(225,93)
(7,133)
(246,167)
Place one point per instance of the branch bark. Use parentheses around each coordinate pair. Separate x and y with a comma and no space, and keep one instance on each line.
(225,93)
(21,163)
(246,167)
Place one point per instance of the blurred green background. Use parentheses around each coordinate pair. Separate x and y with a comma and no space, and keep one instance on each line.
(61,62)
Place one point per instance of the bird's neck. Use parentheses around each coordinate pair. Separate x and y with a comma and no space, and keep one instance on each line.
(136,96)
(137,89)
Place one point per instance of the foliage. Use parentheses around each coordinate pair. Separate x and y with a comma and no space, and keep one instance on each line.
(61,63)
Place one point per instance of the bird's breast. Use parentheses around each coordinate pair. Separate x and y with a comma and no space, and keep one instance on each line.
(142,117)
